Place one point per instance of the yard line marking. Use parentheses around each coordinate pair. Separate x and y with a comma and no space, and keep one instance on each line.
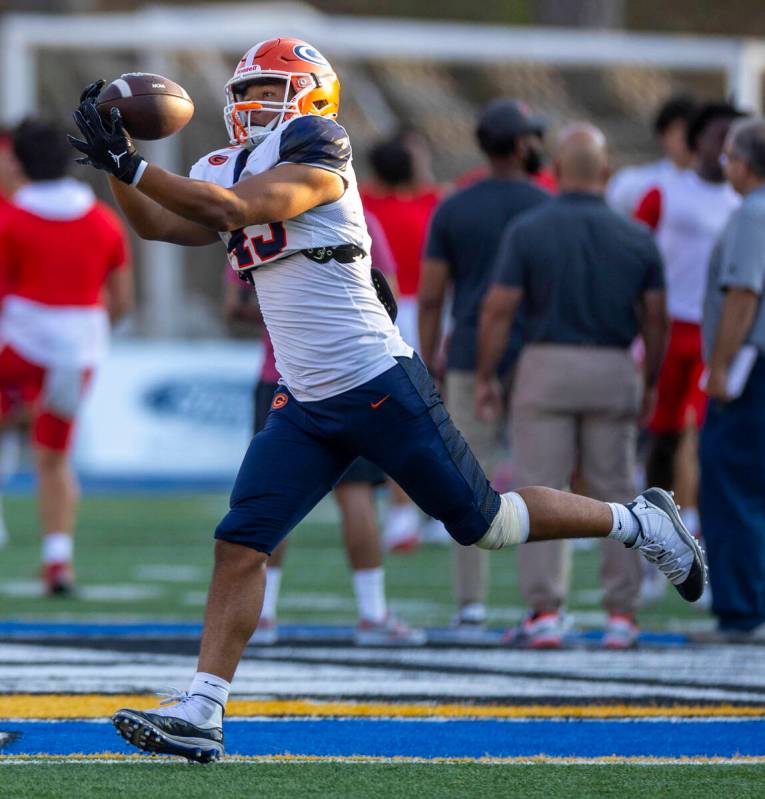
(116,758)
(84,706)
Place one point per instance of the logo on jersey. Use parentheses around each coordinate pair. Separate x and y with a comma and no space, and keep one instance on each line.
(217,160)
(311,54)
(280,400)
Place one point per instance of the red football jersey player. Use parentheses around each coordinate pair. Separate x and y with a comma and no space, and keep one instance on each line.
(64,272)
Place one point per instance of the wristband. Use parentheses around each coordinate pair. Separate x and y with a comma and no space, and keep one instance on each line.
(139,172)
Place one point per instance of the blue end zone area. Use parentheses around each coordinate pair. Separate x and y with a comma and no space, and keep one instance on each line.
(426,738)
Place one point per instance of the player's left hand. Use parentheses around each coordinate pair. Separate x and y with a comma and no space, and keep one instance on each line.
(109,149)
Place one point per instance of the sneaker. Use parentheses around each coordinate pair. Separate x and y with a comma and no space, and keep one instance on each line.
(469,624)
(158,732)
(58,578)
(666,542)
(266,633)
(391,632)
(538,631)
(621,632)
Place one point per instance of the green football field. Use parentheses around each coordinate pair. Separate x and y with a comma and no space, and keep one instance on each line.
(350,781)
(149,557)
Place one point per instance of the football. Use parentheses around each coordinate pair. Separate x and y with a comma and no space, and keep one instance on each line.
(152,106)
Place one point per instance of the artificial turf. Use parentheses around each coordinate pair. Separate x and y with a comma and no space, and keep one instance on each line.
(379,781)
(150,556)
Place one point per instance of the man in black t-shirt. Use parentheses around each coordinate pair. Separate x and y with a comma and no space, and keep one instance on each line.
(459,256)
(590,281)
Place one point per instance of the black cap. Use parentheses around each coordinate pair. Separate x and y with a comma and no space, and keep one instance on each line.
(505,118)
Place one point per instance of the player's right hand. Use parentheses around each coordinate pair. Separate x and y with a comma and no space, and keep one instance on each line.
(109,149)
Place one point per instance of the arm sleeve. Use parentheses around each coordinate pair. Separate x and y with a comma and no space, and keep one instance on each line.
(509,263)
(382,255)
(315,141)
(743,256)
(437,243)
(648,210)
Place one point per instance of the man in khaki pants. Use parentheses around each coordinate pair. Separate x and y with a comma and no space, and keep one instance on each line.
(459,255)
(590,281)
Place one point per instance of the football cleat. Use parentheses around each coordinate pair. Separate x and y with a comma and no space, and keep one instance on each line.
(158,733)
(667,543)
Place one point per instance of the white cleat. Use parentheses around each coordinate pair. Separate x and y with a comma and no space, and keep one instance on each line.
(667,543)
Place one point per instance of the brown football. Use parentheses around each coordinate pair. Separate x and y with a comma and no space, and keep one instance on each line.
(152,107)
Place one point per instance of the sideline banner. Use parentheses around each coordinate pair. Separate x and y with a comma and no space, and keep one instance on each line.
(169,410)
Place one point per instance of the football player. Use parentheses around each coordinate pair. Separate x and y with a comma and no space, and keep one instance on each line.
(283,200)
(64,274)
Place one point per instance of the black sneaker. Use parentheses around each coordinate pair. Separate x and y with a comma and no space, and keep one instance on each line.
(168,735)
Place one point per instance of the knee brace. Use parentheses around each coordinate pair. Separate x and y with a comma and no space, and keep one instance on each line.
(510,525)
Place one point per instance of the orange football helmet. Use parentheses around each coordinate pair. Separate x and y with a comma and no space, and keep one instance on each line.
(308,78)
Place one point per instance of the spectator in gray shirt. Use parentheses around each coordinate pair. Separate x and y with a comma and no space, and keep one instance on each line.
(732,449)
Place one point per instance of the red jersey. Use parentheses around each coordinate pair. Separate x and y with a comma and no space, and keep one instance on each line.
(405,221)
(59,261)
(58,245)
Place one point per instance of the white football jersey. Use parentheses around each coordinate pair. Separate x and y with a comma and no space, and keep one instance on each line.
(330,332)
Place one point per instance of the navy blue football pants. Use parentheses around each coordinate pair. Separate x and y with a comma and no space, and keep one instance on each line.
(396,420)
(732,504)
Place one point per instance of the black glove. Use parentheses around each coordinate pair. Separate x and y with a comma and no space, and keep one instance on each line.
(110,150)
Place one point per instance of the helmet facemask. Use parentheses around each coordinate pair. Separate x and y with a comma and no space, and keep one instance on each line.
(242,129)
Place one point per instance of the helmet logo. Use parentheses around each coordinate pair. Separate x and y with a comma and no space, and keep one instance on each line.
(310,54)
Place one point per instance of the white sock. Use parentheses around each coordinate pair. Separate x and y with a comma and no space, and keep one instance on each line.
(208,695)
(271,594)
(690,517)
(57,548)
(369,587)
(209,686)
(625,526)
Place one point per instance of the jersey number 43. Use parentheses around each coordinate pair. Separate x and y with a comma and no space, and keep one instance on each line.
(244,248)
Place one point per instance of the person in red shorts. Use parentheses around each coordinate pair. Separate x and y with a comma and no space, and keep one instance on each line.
(687,211)
(11,178)
(64,275)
